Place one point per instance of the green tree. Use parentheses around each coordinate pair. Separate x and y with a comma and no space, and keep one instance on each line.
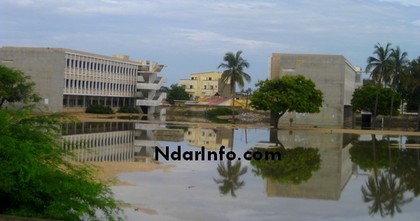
(15,87)
(229,181)
(177,93)
(399,67)
(374,98)
(234,73)
(295,166)
(412,86)
(289,93)
(38,177)
(379,67)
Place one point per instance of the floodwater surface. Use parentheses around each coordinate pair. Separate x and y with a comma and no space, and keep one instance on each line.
(320,176)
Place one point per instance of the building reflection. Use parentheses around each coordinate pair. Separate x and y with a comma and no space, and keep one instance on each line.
(335,170)
(211,138)
(116,141)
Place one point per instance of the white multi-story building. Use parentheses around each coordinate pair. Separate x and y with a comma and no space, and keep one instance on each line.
(70,80)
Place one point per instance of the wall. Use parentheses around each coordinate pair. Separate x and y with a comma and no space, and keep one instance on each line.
(332,75)
(45,66)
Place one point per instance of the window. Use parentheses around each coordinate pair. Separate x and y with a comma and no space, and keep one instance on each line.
(191,87)
(211,87)
(205,87)
(210,78)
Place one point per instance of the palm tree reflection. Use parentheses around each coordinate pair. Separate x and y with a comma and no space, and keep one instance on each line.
(229,177)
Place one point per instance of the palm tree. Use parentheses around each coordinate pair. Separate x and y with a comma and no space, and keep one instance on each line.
(229,181)
(379,67)
(234,73)
(399,66)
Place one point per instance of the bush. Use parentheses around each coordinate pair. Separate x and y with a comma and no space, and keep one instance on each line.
(129,109)
(38,180)
(99,109)
(220,111)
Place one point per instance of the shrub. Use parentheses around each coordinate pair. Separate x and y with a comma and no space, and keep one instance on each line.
(99,109)
(129,109)
(38,180)
(220,111)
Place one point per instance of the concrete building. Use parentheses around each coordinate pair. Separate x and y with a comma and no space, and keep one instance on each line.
(333,75)
(205,84)
(70,80)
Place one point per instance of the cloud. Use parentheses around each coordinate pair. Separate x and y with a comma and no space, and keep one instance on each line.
(207,37)
(404,2)
(417,22)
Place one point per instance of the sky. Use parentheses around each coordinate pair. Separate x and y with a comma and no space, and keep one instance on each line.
(190,36)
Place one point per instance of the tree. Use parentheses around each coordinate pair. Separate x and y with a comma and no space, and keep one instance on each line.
(289,93)
(234,73)
(177,93)
(379,67)
(15,87)
(399,66)
(374,98)
(412,86)
(38,178)
(229,181)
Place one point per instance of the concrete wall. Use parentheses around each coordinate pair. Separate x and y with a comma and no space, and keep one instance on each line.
(332,74)
(45,66)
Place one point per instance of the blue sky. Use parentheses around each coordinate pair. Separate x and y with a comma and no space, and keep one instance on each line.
(193,35)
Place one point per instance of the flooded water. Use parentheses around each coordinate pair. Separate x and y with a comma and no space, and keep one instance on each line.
(320,176)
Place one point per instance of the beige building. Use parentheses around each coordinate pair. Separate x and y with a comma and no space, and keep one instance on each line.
(70,80)
(205,84)
(335,76)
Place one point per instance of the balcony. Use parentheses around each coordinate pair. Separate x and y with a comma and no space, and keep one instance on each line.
(157,100)
(156,85)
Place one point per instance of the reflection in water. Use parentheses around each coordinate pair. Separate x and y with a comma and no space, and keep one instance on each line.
(229,177)
(99,141)
(394,174)
(209,137)
(296,165)
(318,169)
(116,141)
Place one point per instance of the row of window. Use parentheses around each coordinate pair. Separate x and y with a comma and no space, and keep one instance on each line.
(212,87)
(99,85)
(116,68)
(196,78)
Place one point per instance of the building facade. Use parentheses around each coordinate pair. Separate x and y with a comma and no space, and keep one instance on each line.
(70,80)
(205,84)
(336,77)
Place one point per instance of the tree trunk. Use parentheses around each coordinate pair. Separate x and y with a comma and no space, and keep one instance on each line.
(390,112)
(373,118)
(274,119)
(2,102)
(233,108)
(418,119)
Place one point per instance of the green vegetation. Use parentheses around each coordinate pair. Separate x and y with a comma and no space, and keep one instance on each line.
(38,178)
(128,109)
(177,93)
(391,68)
(296,164)
(15,86)
(234,73)
(99,109)
(212,114)
(289,93)
(371,96)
